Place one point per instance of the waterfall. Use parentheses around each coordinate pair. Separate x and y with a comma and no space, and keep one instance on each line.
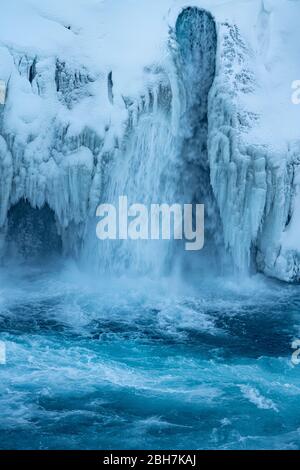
(160,158)
(164,157)
(196,39)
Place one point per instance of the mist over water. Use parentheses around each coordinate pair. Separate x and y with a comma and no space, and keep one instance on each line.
(96,363)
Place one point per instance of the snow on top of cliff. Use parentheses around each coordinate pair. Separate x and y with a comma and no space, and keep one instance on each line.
(127,35)
(275,40)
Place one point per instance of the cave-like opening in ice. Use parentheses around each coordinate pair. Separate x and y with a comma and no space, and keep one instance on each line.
(32,234)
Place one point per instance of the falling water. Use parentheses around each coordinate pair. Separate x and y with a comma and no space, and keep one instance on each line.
(166,163)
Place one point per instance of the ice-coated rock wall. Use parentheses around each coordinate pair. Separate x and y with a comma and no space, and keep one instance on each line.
(255,182)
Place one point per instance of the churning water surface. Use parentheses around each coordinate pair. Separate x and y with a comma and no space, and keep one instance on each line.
(140,364)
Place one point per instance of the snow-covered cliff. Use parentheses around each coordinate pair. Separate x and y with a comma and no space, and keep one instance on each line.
(88,81)
(254,137)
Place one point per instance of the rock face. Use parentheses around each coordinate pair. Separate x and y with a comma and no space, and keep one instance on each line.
(188,116)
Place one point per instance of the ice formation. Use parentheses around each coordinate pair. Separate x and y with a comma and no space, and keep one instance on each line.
(156,100)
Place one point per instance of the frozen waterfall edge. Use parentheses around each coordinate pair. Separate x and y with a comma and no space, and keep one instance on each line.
(256,187)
